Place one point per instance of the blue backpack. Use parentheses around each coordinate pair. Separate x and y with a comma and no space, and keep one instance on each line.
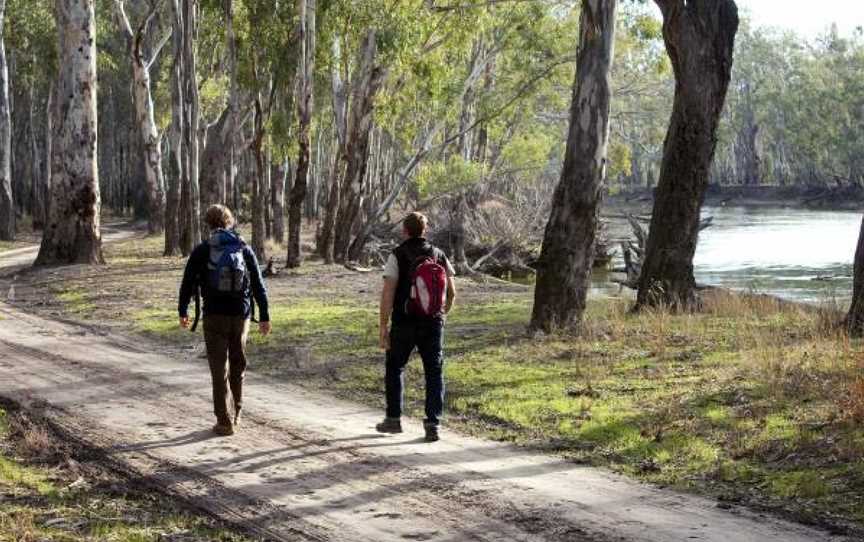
(227,273)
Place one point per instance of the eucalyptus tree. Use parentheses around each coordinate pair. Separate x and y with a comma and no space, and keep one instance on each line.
(567,256)
(700,40)
(176,157)
(267,51)
(444,71)
(7,202)
(145,118)
(217,168)
(72,234)
(306,10)
(368,80)
(190,200)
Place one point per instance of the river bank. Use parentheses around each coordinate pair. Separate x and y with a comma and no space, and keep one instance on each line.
(790,197)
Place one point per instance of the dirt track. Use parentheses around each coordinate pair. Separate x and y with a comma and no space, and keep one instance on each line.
(310,467)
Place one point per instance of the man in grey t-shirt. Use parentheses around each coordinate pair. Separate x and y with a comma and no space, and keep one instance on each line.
(408,332)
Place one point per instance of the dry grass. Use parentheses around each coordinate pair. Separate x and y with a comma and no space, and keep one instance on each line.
(51,493)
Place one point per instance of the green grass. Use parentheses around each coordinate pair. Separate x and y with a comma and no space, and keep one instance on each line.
(741,399)
(47,503)
(716,402)
(76,301)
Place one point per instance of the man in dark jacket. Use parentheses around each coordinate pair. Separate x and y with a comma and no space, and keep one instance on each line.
(409,332)
(226,271)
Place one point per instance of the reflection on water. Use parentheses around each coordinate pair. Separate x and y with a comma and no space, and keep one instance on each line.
(796,254)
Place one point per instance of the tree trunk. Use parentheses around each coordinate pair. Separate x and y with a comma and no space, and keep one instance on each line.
(145,118)
(402,177)
(216,151)
(279,176)
(747,156)
(72,234)
(190,200)
(700,39)
(305,104)
(458,212)
(37,177)
(340,112)
(855,318)
(47,153)
(368,81)
(564,269)
(258,192)
(7,202)
(175,137)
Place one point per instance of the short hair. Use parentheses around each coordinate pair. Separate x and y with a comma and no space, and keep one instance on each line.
(415,224)
(219,217)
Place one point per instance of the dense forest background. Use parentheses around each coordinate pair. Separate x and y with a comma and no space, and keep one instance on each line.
(461,111)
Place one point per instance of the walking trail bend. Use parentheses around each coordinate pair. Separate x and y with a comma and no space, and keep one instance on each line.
(306,466)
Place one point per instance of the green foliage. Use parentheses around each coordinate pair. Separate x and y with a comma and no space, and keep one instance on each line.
(30,34)
(445,177)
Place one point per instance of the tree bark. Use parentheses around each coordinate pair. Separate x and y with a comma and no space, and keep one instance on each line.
(340,113)
(190,197)
(7,201)
(258,192)
(279,176)
(855,317)
(368,81)
(564,268)
(216,152)
(305,105)
(175,139)
(458,215)
(37,177)
(47,152)
(749,163)
(72,234)
(700,40)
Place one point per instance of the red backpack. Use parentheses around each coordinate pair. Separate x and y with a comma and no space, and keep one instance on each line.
(428,288)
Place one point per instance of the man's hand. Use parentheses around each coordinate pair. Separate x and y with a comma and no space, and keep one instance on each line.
(184,322)
(384,339)
(265,328)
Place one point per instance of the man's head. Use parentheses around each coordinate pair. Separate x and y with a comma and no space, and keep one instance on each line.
(219,217)
(414,225)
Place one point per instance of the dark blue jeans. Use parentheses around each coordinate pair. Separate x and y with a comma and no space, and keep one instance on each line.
(428,338)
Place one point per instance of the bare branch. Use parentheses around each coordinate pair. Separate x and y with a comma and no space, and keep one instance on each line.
(123,19)
(158,49)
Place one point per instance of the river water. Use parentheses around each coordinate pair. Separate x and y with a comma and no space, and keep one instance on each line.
(799,255)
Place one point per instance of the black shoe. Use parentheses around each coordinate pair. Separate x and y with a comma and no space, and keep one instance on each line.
(223,429)
(389,425)
(431,432)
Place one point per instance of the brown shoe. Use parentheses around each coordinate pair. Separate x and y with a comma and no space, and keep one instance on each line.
(389,425)
(223,430)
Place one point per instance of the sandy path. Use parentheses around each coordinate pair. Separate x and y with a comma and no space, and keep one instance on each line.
(21,257)
(309,467)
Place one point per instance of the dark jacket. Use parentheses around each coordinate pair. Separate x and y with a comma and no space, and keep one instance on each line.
(406,254)
(195,276)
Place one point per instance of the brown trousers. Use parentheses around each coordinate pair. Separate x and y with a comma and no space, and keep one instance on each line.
(225,338)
